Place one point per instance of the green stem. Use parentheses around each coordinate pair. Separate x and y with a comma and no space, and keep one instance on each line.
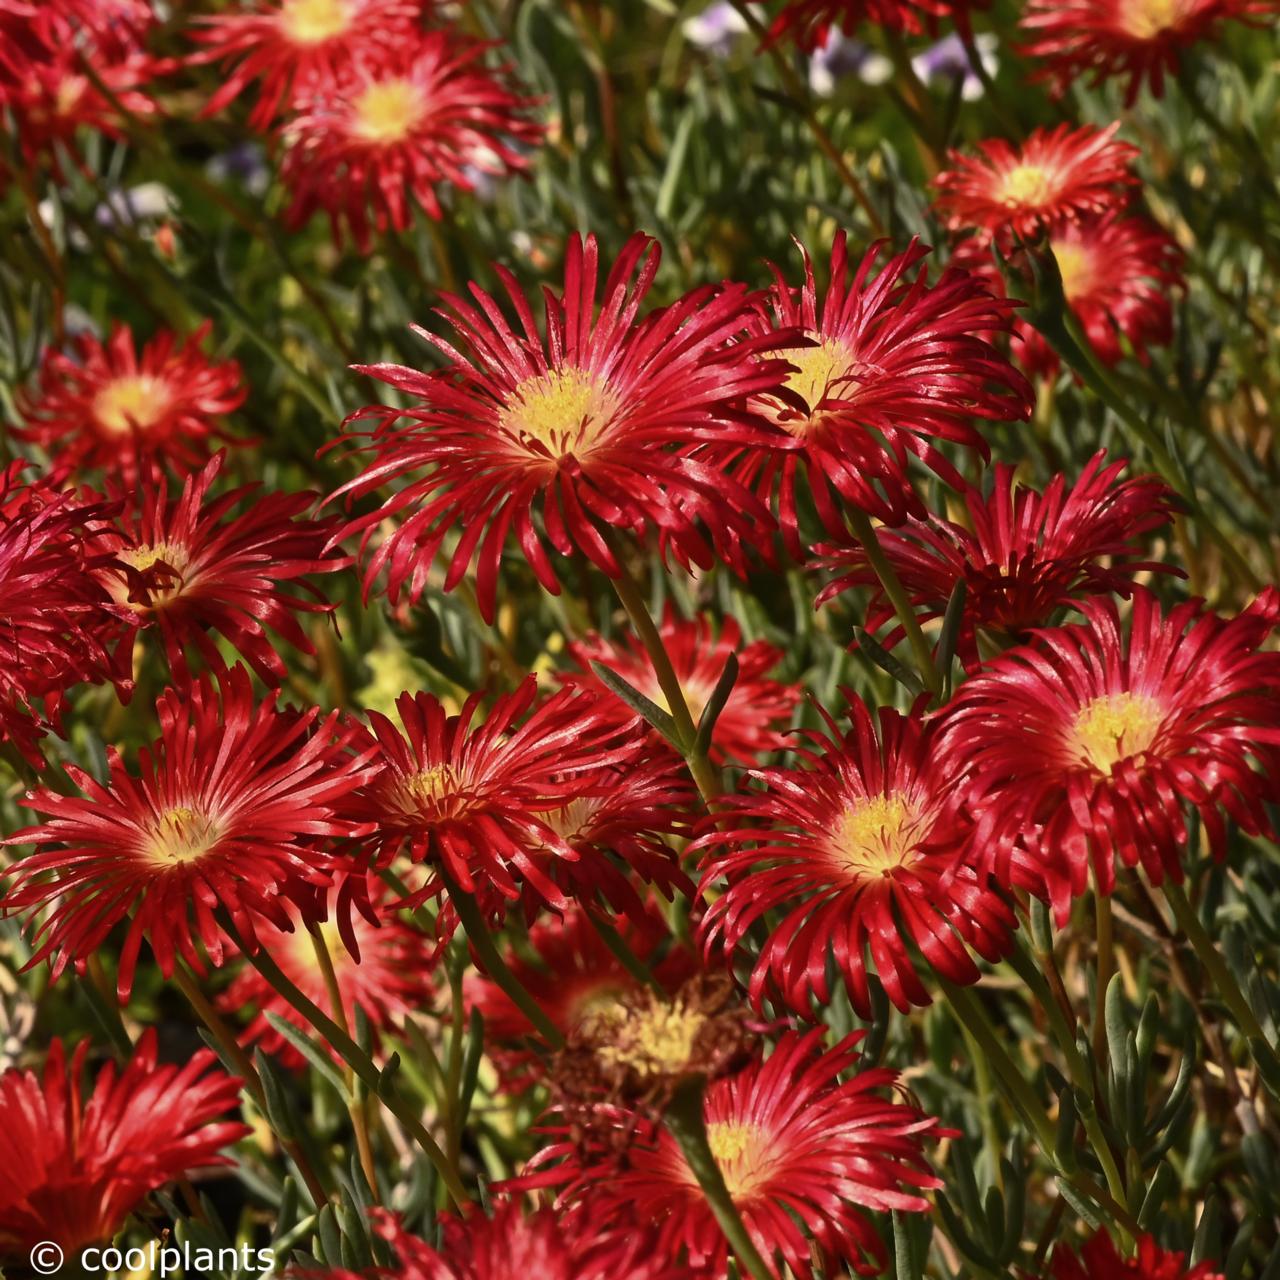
(1106,957)
(686,1124)
(624,954)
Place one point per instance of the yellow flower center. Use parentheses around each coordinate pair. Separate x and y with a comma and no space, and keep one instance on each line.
(570,821)
(1147,19)
(69,92)
(1114,727)
(388,111)
(817,368)
(135,402)
(656,1039)
(1027,184)
(428,787)
(179,836)
(563,411)
(876,835)
(737,1150)
(142,558)
(314,21)
(1076,269)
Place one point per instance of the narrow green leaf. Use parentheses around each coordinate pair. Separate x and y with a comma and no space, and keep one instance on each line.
(638,703)
(313,1054)
(887,662)
(715,705)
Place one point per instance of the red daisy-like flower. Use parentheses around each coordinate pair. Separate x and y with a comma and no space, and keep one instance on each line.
(576,975)
(798,1146)
(858,846)
(1140,39)
(393,130)
(55,618)
(72,1171)
(758,710)
(609,423)
(110,406)
(195,570)
(387,975)
(298,49)
(895,364)
(229,811)
(1100,1260)
(1020,553)
(1087,746)
(807,22)
(1055,175)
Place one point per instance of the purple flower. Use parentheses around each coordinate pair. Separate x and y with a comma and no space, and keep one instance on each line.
(948,60)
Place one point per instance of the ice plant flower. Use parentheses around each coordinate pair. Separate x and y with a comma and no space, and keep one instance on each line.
(395,130)
(1142,40)
(799,1147)
(1055,175)
(387,974)
(1021,553)
(109,406)
(229,811)
(1099,1259)
(809,23)
(857,848)
(72,1171)
(298,49)
(195,569)
(1087,747)
(895,364)
(758,710)
(610,424)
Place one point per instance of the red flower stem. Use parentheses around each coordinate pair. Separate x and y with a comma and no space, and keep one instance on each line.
(230,1046)
(494,965)
(687,1125)
(355,1101)
(865,532)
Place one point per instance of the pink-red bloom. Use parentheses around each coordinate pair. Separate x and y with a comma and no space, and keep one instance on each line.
(805,1155)
(895,365)
(194,569)
(1055,175)
(857,848)
(1088,746)
(395,130)
(111,407)
(759,709)
(611,423)
(1021,553)
(229,811)
(1099,1259)
(808,22)
(72,1171)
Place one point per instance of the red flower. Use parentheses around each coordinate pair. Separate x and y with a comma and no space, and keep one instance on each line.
(858,848)
(1088,745)
(395,129)
(298,48)
(577,975)
(1021,553)
(612,423)
(1099,1260)
(758,708)
(798,1147)
(387,975)
(1056,175)
(229,811)
(1140,39)
(195,571)
(71,1172)
(110,407)
(808,22)
(896,364)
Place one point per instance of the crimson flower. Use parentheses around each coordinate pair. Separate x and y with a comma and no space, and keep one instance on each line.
(72,1171)
(194,570)
(798,1147)
(1055,175)
(228,812)
(1021,553)
(1088,745)
(386,975)
(895,365)
(393,130)
(1100,1260)
(808,22)
(109,406)
(857,847)
(611,423)
(1140,39)
(758,710)
(298,49)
